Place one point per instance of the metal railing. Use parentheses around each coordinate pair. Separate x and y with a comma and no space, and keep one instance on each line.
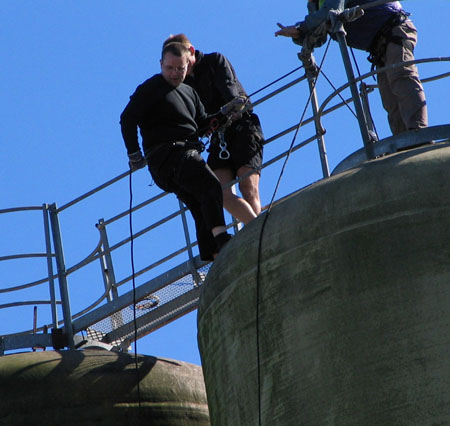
(114,320)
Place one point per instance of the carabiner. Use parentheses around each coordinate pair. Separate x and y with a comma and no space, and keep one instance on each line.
(224,153)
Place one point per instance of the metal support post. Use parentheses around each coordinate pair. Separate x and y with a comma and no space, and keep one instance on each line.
(60,263)
(320,131)
(109,277)
(339,33)
(311,72)
(51,281)
(194,272)
(364,90)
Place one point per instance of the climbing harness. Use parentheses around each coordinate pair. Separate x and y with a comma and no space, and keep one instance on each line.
(378,47)
(190,144)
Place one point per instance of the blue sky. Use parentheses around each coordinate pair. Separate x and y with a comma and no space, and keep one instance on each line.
(68,68)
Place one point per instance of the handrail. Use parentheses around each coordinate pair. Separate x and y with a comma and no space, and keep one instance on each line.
(22,256)
(377,71)
(93,191)
(29,302)
(100,252)
(19,209)
(28,285)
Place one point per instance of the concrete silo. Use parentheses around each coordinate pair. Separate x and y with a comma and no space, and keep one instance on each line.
(349,320)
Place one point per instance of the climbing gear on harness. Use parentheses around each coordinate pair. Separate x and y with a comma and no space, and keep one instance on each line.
(225,116)
(379,44)
(224,154)
(190,144)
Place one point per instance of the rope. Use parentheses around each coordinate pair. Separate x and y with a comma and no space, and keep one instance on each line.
(266,217)
(340,96)
(355,62)
(359,75)
(275,81)
(134,297)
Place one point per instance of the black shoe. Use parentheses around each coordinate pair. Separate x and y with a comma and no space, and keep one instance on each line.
(221,239)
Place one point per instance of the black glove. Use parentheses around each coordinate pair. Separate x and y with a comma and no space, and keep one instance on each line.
(136,161)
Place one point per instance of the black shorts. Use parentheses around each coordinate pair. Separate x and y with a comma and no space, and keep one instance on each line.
(244,139)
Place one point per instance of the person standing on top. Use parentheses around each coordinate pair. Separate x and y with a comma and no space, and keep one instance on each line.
(215,80)
(387,33)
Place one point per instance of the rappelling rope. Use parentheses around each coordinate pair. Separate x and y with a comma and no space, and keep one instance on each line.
(275,81)
(359,75)
(340,96)
(134,296)
(269,208)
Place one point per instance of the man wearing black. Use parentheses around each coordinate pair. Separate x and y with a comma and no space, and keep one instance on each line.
(169,115)
(214,79)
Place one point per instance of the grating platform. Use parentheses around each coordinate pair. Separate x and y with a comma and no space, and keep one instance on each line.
(152,310)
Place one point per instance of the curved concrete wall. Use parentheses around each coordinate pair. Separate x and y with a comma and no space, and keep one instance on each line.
(93,387)
(354,324)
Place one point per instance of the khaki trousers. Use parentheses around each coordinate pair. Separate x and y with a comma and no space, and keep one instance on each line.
(400,88)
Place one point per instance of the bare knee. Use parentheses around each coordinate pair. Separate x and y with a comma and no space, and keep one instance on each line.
(249,188)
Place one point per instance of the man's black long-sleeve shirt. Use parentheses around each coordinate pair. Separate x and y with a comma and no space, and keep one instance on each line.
(214,79)
(163,113)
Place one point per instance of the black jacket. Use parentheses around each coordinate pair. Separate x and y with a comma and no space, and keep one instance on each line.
(163,113)
(214,79)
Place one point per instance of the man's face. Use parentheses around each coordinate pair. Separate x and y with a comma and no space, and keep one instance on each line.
(174,68)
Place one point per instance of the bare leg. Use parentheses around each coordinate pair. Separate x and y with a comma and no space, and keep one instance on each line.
(249,188)
(237,206)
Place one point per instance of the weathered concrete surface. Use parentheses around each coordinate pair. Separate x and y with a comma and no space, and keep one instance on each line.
(99,388)
(354,303)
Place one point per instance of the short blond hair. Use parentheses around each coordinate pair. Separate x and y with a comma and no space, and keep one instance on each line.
(177,49)
(178,38)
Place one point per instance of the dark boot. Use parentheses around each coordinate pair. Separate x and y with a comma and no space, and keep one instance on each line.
(221,239)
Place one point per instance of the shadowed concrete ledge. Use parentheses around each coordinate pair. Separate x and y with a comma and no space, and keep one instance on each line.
(94,387)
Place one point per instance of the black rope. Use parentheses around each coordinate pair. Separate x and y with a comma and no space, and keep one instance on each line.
(359,75)
(134,297)
(275,81)
(342,98)
(354,61)
(266,217)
